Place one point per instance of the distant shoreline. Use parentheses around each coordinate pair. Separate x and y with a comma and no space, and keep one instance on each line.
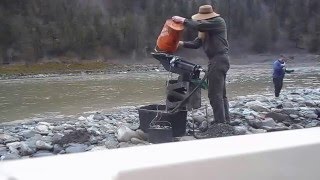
(73,69)
(53,69)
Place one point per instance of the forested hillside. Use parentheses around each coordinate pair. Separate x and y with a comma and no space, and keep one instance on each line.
(31,30)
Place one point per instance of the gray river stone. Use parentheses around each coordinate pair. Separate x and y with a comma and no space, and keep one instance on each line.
(42,154)
(3,152)
(296,126)
(13,144)
(68,131)
(89,148)
(274,129)
(58,128)
(257,106)
(28,133)
(313,123)
(137,141)
(94,131)
(186,138)
(257,131)
(44,123)
(124,134)
(2,145)
(133,126)
(31,143)
(128,120)
(68,126)
(289,111)
(142,135)
(62,152)
(308,114)
(278,116)
(125,145)
(93,140)
(111,131)
(25,150)
(302,104)
(13,139)
(5,138)
(98,148)
(41,145)
(268,122)
(310,103)
(294,116)
(56,138)
(3,148)
(42,129)
(204,126)
(111,142)
(256,123)
(13,150)
(47,139)
(81,118)
(98,117)
(288,105)
(10,156)
(235,122)
(57,148)
(76,148)
(240,130)
(15,130)
(249,118)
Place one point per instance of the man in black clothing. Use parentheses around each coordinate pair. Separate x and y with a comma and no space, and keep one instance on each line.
(213,38)
(278,75)
(279,71)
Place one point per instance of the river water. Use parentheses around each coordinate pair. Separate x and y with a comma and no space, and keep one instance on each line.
(71,96)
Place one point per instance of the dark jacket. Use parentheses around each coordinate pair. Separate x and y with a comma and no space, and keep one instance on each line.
(278,69)
(215,41)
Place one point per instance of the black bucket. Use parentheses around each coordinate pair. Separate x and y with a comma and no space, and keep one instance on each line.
(160,132)
(178,120)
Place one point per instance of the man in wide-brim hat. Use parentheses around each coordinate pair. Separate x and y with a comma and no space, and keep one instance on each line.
(213,37)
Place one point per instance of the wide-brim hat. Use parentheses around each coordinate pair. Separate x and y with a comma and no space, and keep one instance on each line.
(205,12)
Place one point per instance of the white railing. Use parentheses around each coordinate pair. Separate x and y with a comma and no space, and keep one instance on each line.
(288,155)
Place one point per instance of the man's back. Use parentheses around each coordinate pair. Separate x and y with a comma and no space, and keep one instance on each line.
(216,35)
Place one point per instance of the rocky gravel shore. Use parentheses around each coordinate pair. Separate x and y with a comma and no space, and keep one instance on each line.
(296,109)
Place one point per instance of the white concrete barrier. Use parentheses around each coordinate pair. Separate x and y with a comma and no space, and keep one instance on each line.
(288,155)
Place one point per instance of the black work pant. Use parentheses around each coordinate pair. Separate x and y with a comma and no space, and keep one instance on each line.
(278,83)
(218,68)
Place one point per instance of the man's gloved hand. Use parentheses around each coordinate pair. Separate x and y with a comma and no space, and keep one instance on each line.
(180,44)
(172,61)
(178,19)
(289,71)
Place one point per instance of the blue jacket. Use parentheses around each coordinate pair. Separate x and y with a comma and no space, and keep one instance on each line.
(278,69)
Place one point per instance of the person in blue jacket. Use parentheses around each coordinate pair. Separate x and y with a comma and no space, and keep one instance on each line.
(279,70)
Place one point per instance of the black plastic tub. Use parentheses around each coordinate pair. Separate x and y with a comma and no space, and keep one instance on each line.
(178,120)
(160,132)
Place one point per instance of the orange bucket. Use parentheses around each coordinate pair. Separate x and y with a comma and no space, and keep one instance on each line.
(169,37)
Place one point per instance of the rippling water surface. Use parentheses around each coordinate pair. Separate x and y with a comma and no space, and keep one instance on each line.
(71,95)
